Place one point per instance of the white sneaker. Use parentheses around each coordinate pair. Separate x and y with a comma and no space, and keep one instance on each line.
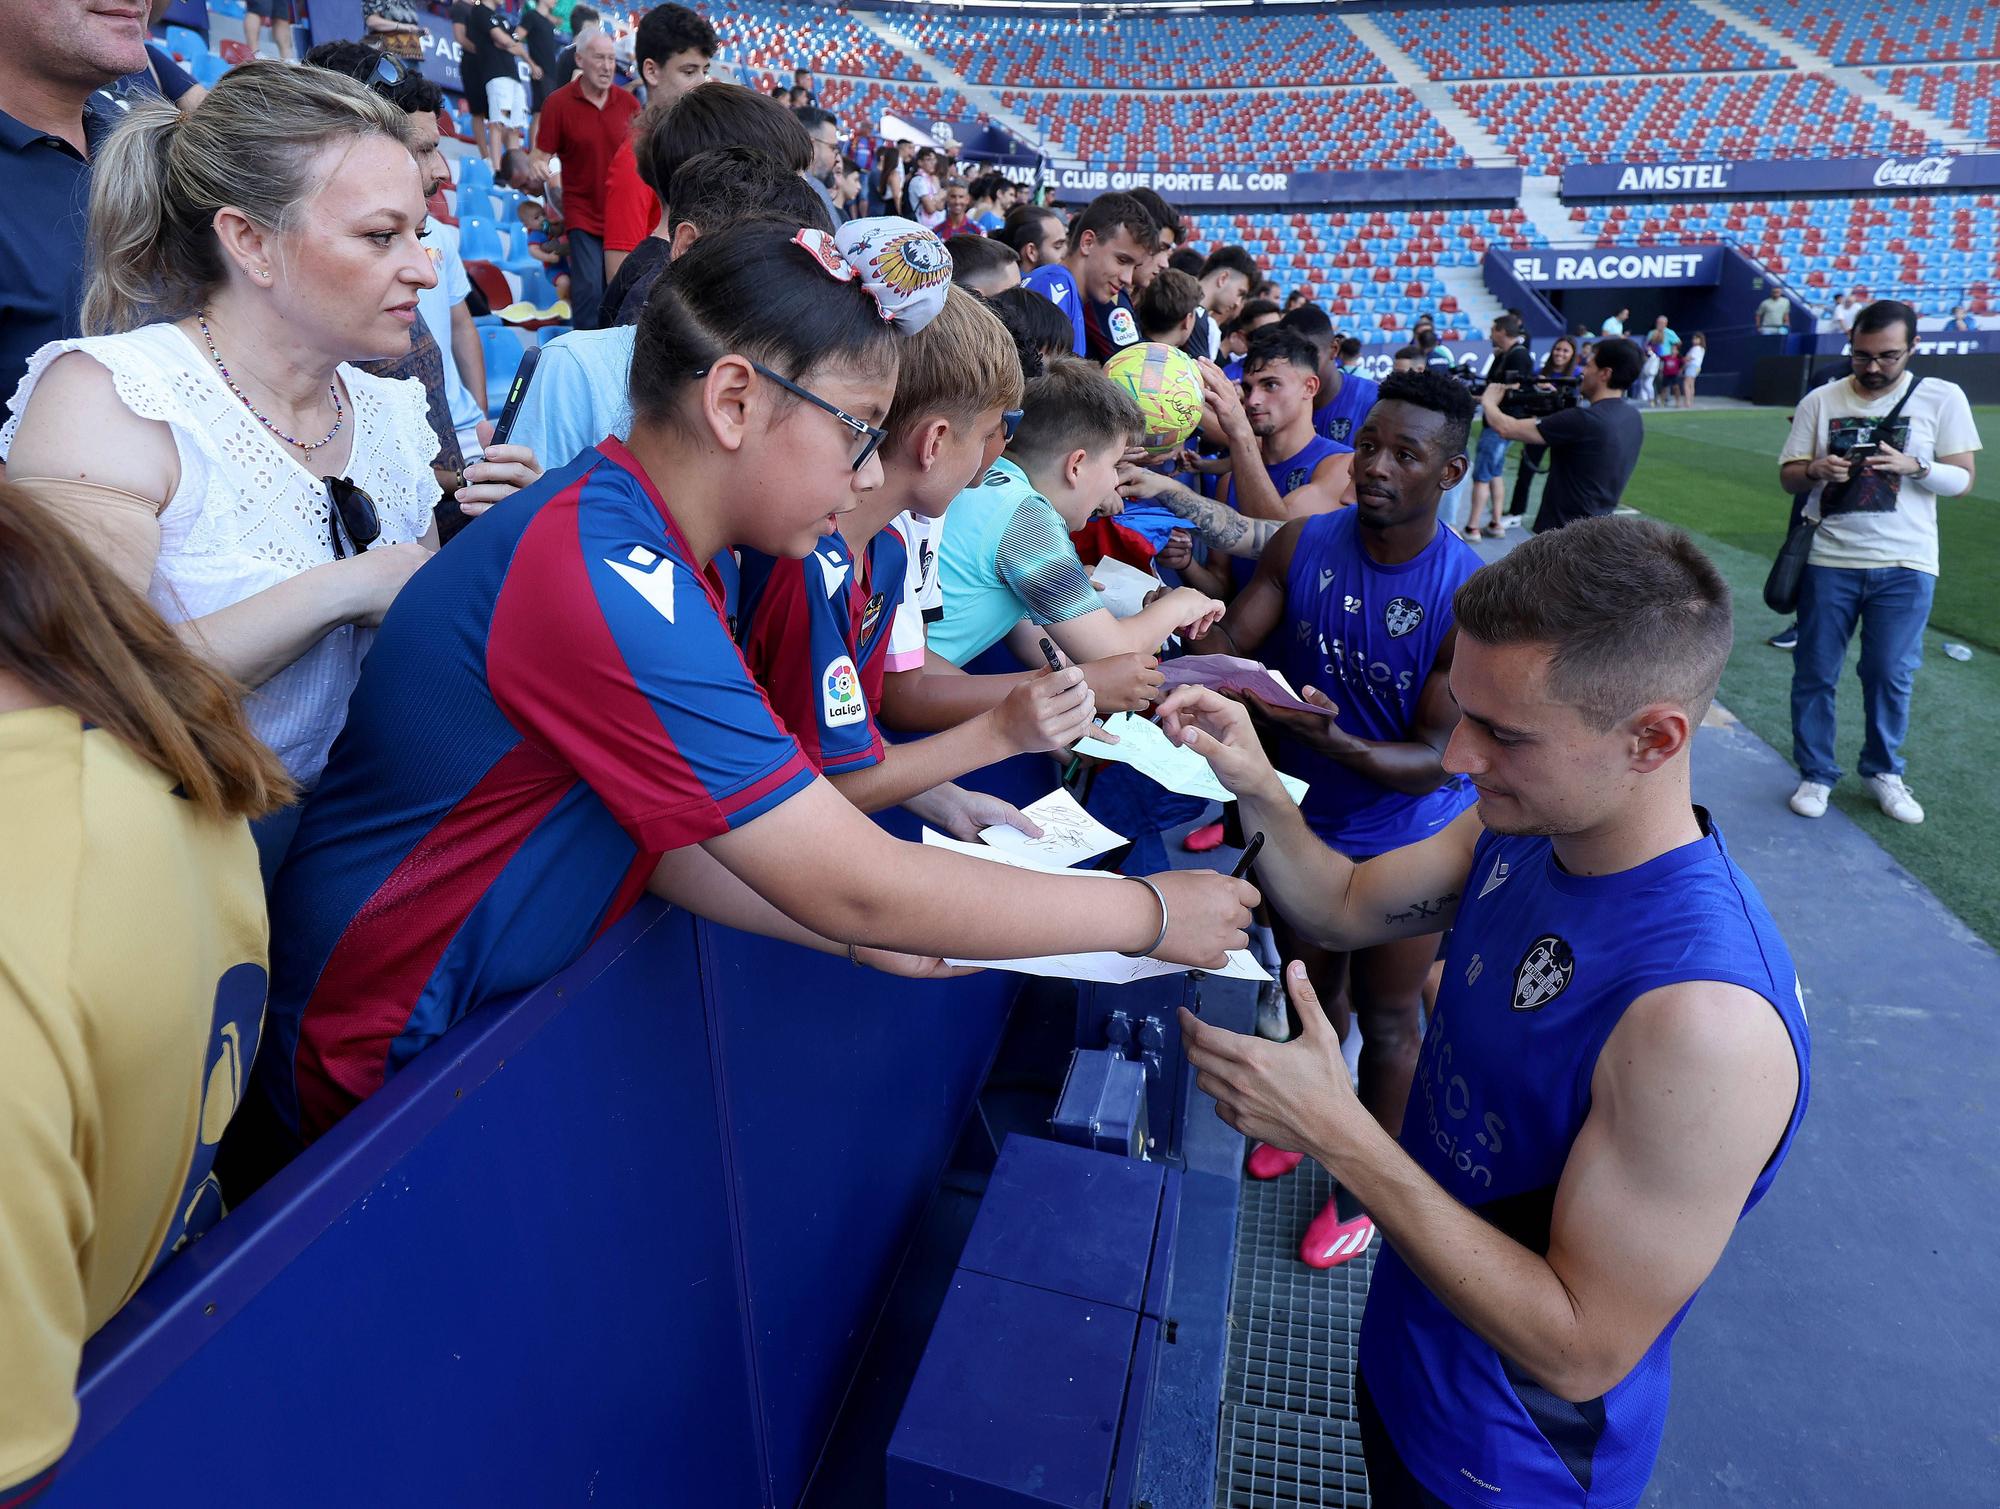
(1810,799)
(1894,798)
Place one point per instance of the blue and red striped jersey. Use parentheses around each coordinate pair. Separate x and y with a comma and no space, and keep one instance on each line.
(815,634)
(551,703)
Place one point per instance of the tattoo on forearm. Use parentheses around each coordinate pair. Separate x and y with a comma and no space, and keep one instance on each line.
(1424,910)
(1222,526)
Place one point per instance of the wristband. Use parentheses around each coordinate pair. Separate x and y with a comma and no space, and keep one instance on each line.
(1946,480)
(1159,896)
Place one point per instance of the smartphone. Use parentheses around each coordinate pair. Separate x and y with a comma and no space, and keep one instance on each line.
(450,517)
(1861,455)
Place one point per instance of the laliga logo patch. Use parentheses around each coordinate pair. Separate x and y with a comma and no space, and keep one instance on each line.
(840,694)
(1546,970)
(1124,329)
(1402,615)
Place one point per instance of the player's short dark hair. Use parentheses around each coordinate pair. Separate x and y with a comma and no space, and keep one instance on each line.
(1040,330)
(1186,259)
(581,16)
(1168,299)
(1108,214)
(1883,313)
(1165,216)
(1231,258)
(1409,353)
(669,29)
(987,185)
(979,257)
(413,94)
(1280,343)
(1252,311)
(1312,322)
(714,189)
(1023,226)
(1073,406)
(1631,612)
(810,116)
(1350,347)
(714,115)
(1619,359)
(1436,392)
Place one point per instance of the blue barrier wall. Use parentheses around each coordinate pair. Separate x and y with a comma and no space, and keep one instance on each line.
(620,1242)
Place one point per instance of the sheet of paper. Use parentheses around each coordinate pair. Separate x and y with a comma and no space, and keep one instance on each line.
(1125,587)
(1018,859)
(1069,834)
(1233,673)
(1144,746)
(1115,969)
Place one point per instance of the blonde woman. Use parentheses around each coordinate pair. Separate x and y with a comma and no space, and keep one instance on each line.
(209,435)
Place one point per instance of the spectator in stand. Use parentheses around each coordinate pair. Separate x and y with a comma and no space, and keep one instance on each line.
(1961,320)
(627,742)
(1874,558)
(546,244)
(885,189)
(277,14)
(161,79)
(538,35)
(802,79)
(1253,316)
(60,55)
(507,113)
(132,956)
(474,64)
(392,25)
(925,193)
(823,131)
(709,117)
(672,50)
(449,388)
(1774,315)
(212,438)
(521,172)
(988,189)
(585,124)
(1107,242)
(582,19)
(1845,311)
(985,266)
(1691,363)
(579,394)
(1168,309)
(957,211)
(1436,358)
(849,197)
(1038,234)
(1614,324)
(1509,365)
(1592,448)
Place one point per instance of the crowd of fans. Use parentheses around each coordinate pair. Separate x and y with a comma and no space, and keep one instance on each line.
(800,521)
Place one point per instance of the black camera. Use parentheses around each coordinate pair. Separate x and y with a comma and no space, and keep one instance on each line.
(1531,397)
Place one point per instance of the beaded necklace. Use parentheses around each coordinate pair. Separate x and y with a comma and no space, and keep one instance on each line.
(308,446)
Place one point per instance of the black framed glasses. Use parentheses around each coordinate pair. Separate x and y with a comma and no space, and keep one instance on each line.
(1876,359)
(389,72)
(872,435)
(350,517)
(1010,421)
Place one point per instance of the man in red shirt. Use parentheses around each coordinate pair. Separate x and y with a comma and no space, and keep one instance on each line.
(958,219)
(584,123)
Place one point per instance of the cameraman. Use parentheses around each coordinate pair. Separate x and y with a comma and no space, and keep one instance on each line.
(1592,450)
(1511,364)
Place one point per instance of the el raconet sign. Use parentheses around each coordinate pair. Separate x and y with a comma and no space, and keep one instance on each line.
(1788,175)
(1618,267)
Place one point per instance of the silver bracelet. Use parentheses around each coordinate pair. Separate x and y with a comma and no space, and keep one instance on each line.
(1159,896)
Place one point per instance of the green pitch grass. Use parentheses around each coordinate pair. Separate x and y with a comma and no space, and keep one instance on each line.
(1716,475)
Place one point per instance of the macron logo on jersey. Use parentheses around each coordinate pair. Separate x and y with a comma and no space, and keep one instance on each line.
(832,572)
(649,575)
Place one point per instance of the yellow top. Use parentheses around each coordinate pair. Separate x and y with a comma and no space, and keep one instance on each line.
(132,953)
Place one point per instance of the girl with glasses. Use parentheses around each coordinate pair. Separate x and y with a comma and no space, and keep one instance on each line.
(556,717)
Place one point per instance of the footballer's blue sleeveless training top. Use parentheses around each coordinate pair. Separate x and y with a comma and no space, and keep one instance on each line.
(1541,968)
(1367,635)
(1287,476)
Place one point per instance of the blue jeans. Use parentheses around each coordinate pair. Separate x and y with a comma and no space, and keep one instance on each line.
(1489,459)
(586,279)
(1892,605)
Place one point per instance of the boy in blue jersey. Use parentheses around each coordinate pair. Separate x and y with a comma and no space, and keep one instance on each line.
(1355,609)
(1008,566)
(1618,1061)
(1344,399)
(1108,242)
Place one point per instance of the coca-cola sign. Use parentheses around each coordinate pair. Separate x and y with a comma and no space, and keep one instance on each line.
(1913,173)
(1670,180)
